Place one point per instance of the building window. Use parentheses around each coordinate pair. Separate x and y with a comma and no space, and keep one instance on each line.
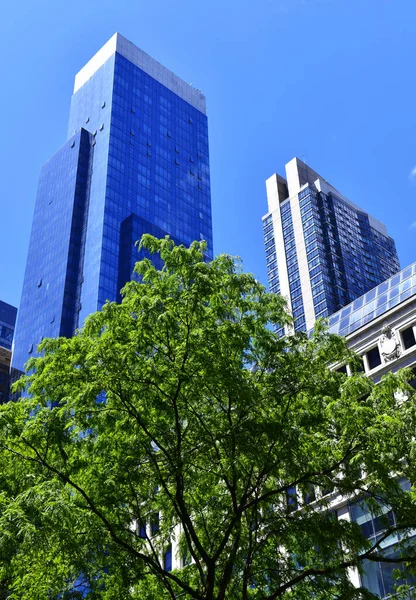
(154,523)
(358,367)
(408,337)
(142,530)
(291,498)
(342,369)
(378,577)
(309,495)
(327,490)
(167,559)
(373,357)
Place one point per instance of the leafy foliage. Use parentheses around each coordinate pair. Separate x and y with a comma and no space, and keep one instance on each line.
(181,403)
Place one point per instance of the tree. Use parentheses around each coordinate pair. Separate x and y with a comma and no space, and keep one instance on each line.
(179,416)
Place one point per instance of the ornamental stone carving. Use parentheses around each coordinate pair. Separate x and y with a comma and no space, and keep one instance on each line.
(389,344)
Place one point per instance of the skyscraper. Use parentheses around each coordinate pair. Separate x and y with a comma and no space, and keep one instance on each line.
(135,161)
(322,250)
(7,323)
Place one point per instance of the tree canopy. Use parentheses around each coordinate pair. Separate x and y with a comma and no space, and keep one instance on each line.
(178,426)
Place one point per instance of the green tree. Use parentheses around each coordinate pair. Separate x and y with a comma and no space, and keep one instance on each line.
(179,417)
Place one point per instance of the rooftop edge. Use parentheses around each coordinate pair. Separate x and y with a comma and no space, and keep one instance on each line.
(118,43)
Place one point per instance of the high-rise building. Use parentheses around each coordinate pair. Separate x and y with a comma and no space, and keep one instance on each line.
(135,161)
(322,250)
(7,323)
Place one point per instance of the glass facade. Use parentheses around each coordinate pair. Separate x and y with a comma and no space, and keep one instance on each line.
(269,242)
(346,255)
(292,267)
(136,161)
(374,303)
(378,577)
(7,323)
(272,270)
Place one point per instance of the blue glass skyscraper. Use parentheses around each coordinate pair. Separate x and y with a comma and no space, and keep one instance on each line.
(7,323)
(136,160)
(322,250)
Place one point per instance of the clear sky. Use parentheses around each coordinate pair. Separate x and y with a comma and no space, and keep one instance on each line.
(331,81)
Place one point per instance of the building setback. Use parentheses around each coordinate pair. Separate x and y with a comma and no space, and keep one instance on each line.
(322,250)
(135,161)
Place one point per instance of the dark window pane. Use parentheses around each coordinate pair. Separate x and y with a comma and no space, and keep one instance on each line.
(291,498)
(367,529)
(142,530)
(167,559)
(384,521)
(310,494)
(358,367)
(408,338)
(373,357)
(155,523)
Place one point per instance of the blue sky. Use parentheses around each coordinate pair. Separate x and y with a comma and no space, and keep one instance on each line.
(331,81)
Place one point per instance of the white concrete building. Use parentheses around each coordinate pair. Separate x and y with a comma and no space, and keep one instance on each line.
(381,327)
